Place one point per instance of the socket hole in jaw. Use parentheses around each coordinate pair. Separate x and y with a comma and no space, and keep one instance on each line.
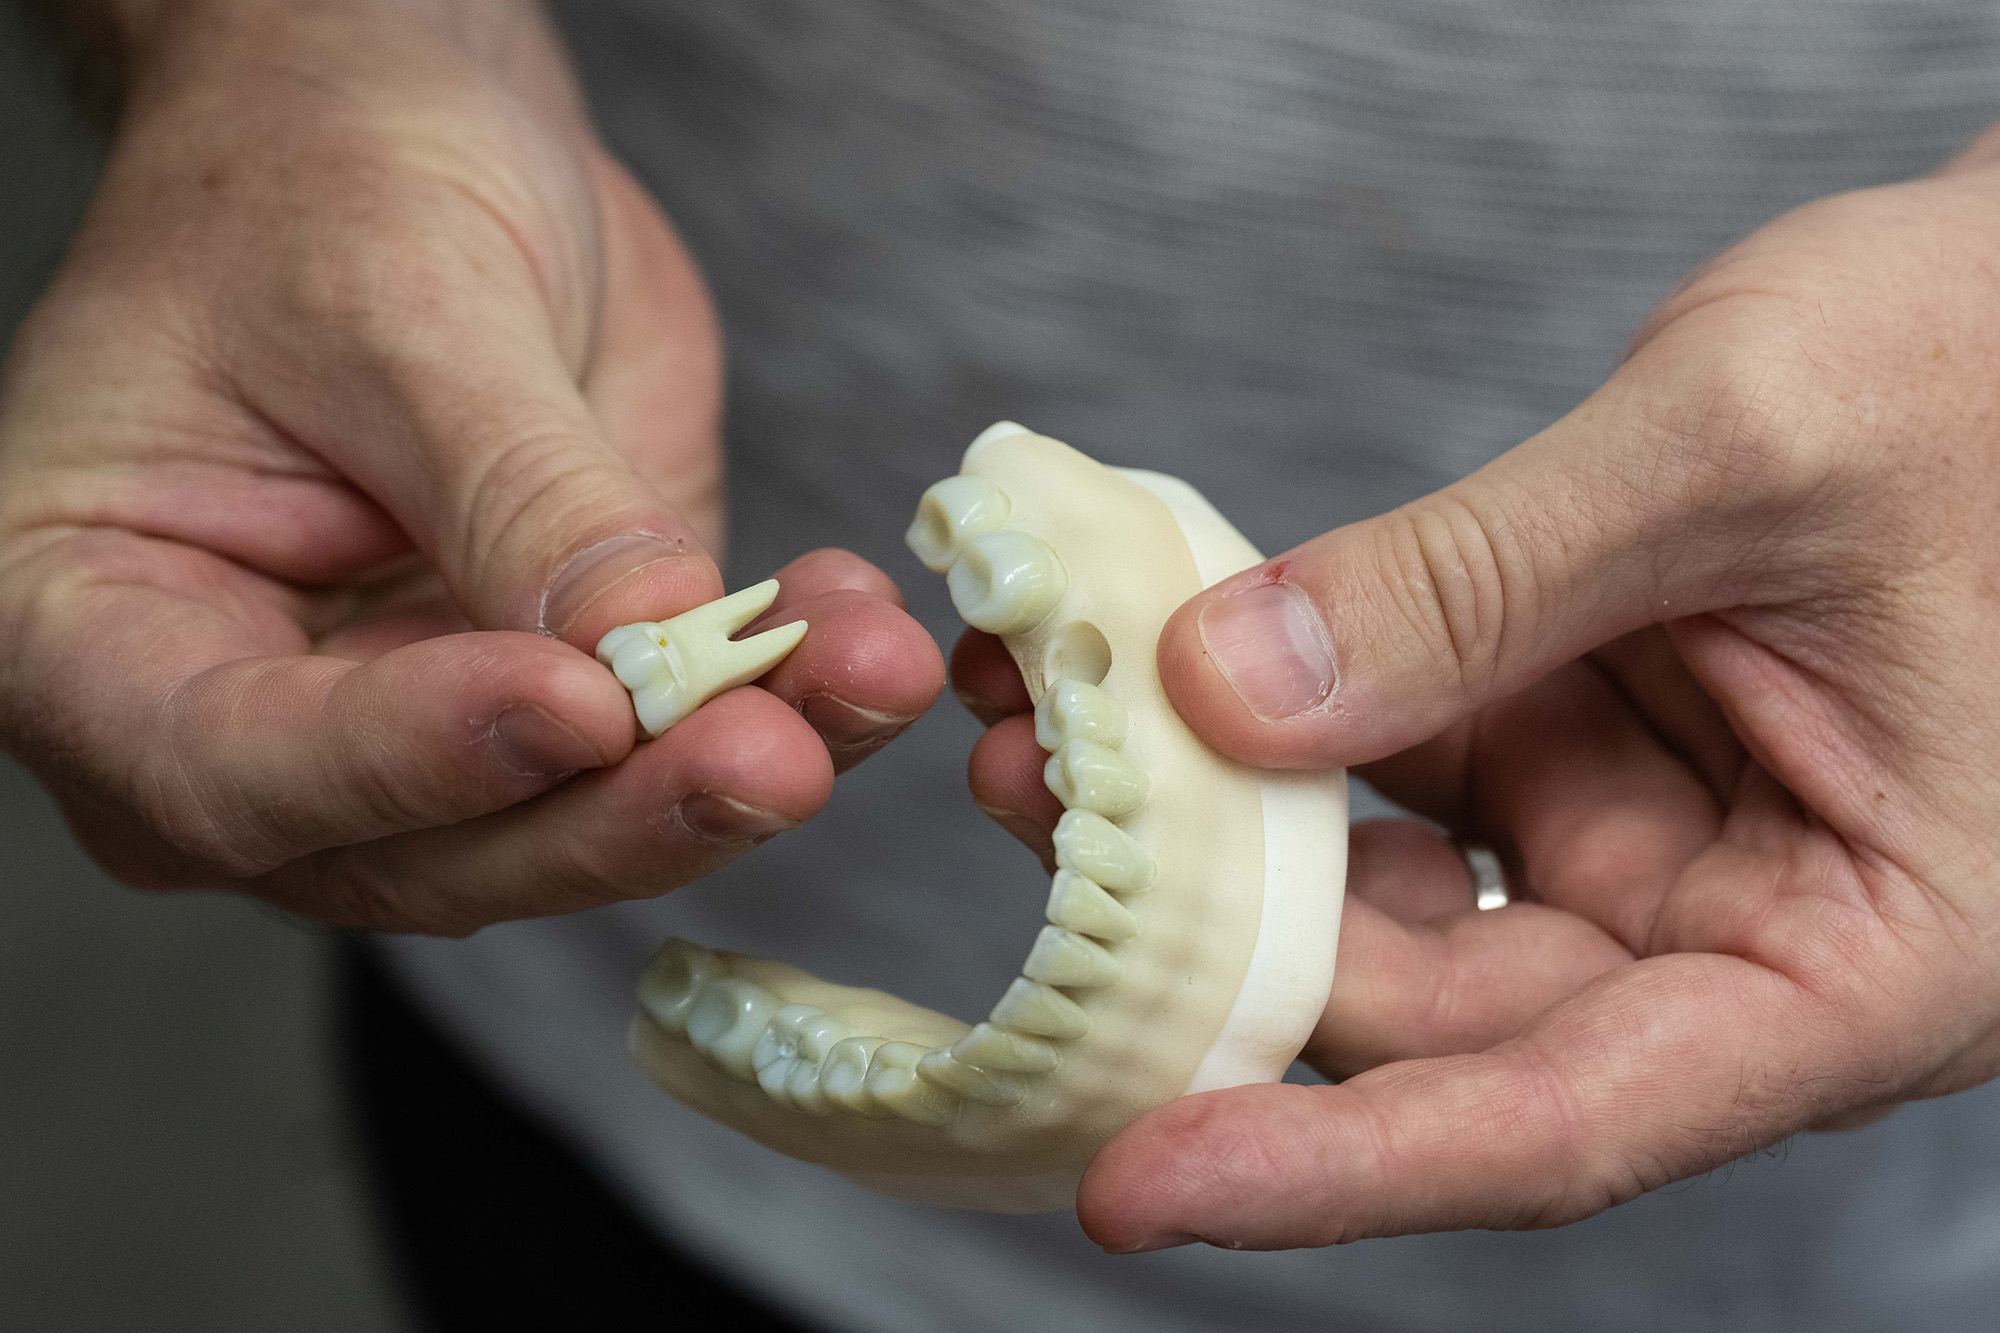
(1077,651)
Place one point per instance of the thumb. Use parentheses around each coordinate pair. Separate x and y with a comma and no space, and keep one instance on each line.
(1646,503)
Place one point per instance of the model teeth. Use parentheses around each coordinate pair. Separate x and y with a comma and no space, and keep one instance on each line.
(1074,710)
(975,1085)
(727,1021)
(1094,847)
(1064,958)
(1081,904)
(893,1082)
(991,1047)
(951,513)
(843,1076)
(1030,1006)
(673,667)
(1006,582)
(673,980)
(1086,776)
(788,1056)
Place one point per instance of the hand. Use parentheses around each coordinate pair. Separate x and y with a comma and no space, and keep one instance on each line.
(372,393)
(1712,661)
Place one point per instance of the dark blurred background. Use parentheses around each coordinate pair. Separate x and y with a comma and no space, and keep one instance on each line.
(173,1149)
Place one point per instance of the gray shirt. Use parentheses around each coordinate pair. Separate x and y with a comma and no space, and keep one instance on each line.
(1318,258)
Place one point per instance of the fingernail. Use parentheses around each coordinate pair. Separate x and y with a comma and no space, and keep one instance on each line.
(714,818)
(1159,1240)
(843,725)
(595,570)
(530,742)
(1272,648)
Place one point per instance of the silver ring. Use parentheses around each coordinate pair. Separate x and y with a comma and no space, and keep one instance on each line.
(1489,880)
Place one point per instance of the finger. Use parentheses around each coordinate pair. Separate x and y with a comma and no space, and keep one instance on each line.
(733,774)
(863,673)
(985,679)
(1656,685)
(826,570)
(1662,1069)
(1005,774)
(1646,501)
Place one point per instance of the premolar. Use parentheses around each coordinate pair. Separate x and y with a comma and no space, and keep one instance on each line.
(843,1076)
(1072,709)
(893,1082)
(974,1084)
(1093,846)
(1082,904)
(1087,776)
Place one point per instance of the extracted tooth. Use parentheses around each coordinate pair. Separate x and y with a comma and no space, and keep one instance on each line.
(951,513)
(1029,1006)
(1064,958)
(1087,776)
(1006,582)
(843,1076)
(975,1085)
(675,666)
(893,1081)
(728,1019)
(1075,709)
(672,981)
(1082,904)
(1093,846)
(989,1047)
(797,1038)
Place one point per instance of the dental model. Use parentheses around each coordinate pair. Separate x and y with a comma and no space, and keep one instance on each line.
(1192,918)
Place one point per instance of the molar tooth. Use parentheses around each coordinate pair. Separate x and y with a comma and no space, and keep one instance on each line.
(951,513)
(1032,1007)
(1006,582)
(728,1020)
(1087,776)
(1073,709)
(843,1076)
(673,981)
(893,1081)
(1064,958)
(1092,845)
(990,1047)
(807,1091)
(797,1038)
(1083,906)
(975,1085)
(677,665)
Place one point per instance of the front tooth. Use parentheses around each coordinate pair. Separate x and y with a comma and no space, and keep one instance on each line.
(893,1082)
(728,1019)
(975,1085)
(1006,582)
(1032,1007)
(989,1047)
(1086,776)
(843,1076)
(1072,709)
(797,1039)
(1064,958)
(1091,845)
(951,513)
(677,665)
(672,981)
(1083,906)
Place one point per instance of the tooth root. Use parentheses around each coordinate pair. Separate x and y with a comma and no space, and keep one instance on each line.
(975,1085)
(1087,776)
(843,1076)
(1031,1007)
(1006,582)
(727,1021)
(1093,846)
(677,665)
(951,513)
(1076,710)
(990,1047)
(673,980)
(1083,905)
(1064,958)
(893,1082)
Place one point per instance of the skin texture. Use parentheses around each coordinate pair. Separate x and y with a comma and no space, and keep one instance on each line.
(1710,661)
(372,393)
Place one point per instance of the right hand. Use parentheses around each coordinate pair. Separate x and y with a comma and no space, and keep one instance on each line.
(372,393)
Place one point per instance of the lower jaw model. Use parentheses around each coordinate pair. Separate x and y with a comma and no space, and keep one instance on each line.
(1192,920)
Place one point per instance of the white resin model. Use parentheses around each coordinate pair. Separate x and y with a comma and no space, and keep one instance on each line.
(1192,921)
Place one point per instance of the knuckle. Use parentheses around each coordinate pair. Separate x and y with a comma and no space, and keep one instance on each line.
(1451,581)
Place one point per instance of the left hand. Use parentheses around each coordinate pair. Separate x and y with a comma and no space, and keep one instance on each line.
(1712,661)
